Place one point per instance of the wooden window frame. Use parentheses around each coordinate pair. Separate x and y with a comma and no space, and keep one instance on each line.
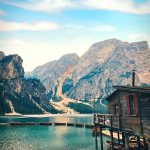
(135,97)
(119,109)
(116,112)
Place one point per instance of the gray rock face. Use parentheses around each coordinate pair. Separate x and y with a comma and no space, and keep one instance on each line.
(112,66)
(2,55)
(50,73)
(11,70)
(37,92)
(97,54)
(106,63)
(18,94)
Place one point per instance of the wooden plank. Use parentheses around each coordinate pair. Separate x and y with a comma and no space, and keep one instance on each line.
(79,125)
(59,123)
(70,124)
(46,123)
(16,123)
(30,123)
(89,125)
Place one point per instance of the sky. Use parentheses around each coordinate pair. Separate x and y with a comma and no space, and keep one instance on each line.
(43,30)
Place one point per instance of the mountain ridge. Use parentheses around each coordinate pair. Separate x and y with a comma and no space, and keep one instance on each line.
(20,95)
(105,54)
(69,84)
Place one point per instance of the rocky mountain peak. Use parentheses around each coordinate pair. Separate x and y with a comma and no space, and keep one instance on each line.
(50,72)
(143,45)
(71,58)
(2,55)
(105,64)
(11,67)
(97,54)
(105,42)
(17,94)
(109,63)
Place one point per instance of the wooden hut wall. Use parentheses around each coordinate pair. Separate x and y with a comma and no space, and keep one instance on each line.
(144,101)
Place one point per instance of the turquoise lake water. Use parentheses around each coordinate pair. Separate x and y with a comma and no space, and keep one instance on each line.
(39,137)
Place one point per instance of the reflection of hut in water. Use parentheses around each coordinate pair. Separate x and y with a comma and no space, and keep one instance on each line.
(133,105)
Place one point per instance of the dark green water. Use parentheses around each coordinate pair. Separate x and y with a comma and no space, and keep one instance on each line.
(46,137)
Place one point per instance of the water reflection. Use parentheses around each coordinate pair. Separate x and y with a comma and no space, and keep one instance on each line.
(47,137)
(58,118)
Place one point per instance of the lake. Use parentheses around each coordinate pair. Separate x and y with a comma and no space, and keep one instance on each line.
(39,137)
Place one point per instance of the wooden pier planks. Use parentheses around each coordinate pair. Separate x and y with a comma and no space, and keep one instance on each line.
(46,123)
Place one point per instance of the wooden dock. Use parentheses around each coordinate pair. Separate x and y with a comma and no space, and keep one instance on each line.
(90,126)
(115,134)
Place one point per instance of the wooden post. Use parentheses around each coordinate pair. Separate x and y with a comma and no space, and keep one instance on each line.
(138,143)
(148,146)
(145,145)
(120,128)
(96,144)
(101,138)
(111,134)
(104,120)
(95,128)
(94,118)
(118,136)
(123,139)
(126,141)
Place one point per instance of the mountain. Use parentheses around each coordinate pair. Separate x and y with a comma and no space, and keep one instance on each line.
(105,64)
(69,84)
(108,63)
(50,73)
(20,95)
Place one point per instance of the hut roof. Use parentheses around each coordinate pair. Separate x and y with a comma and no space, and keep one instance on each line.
(136,89)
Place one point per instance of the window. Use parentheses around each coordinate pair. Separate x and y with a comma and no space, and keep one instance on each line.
(116,109)
(132,104)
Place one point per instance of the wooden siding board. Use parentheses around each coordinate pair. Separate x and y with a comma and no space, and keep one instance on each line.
(128,121)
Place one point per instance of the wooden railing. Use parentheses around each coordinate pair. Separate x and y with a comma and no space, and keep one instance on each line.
(114,124)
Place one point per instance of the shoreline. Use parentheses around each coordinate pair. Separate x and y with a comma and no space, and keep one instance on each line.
(51,115)
(43,115)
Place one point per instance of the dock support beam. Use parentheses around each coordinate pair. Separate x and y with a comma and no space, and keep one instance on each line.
(118,136)
(138,143)
(111,134)
(95,128)
(145,144)
(101,138)
(123,139)
(96,144)
(126,141)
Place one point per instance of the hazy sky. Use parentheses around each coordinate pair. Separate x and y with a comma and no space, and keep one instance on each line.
(43,30)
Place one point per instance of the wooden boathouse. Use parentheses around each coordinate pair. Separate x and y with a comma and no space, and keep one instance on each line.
(132,104)
(128,116)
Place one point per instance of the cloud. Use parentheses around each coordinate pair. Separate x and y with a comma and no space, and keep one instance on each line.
(32,53)
(2,13)
(98,28)
(128,6)
(42,5)
(103,28)
(139,37)
(38,52)
(39,26)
